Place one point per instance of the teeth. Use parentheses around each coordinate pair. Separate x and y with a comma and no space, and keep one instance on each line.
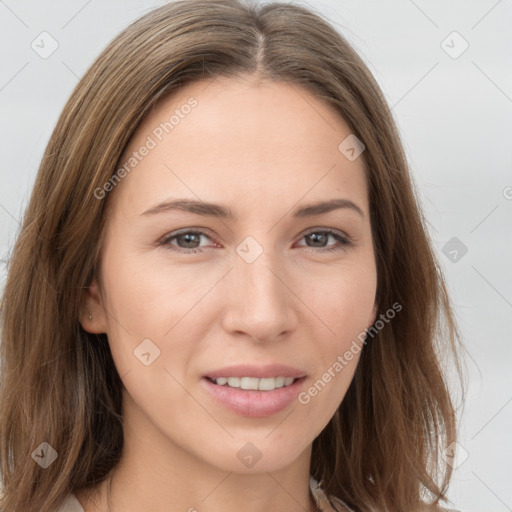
(266,384)
(234,382)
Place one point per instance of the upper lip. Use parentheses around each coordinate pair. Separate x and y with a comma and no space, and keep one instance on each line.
(260,372)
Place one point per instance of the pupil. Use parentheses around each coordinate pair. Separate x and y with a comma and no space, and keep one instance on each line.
(189,238)
(318,237)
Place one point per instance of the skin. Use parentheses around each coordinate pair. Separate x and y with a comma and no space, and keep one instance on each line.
(262,149)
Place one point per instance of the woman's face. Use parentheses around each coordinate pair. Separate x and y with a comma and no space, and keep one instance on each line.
(188,292)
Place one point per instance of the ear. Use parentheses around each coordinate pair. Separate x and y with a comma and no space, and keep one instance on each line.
(93,318)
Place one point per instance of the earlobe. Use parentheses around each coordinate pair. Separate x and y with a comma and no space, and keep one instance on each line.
(93,318)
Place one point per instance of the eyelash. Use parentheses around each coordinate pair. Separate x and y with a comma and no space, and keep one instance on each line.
(344,240)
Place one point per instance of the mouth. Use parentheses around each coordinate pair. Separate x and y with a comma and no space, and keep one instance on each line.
(254,383)
(254,392)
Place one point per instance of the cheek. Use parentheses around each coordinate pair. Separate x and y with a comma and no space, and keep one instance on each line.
(158,303)
(344,305)
(136,317)
(344,301)
(144,297)
(336,355)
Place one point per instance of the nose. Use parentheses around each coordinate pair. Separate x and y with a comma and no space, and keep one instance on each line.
(259,302)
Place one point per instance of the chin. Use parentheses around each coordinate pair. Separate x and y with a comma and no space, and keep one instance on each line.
(254,455)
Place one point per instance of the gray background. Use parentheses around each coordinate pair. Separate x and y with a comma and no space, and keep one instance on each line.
(455,116)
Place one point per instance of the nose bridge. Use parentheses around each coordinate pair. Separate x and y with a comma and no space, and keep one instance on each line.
(261,303)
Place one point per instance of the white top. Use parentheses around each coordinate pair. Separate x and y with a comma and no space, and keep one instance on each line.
(71,503)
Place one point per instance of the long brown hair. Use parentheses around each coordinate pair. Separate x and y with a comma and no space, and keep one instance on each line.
(59,385)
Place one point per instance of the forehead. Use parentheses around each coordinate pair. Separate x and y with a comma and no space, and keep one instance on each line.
(259,140)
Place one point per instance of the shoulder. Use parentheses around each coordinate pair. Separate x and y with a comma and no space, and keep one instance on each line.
(70,504)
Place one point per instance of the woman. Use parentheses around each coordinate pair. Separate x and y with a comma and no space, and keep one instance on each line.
(223,295)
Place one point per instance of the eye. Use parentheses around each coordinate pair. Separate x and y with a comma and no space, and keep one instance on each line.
(187,241)
(320,237)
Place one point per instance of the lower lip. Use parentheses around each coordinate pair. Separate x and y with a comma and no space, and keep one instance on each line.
(253,403)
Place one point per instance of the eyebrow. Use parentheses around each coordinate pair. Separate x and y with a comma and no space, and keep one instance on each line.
(219,211)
